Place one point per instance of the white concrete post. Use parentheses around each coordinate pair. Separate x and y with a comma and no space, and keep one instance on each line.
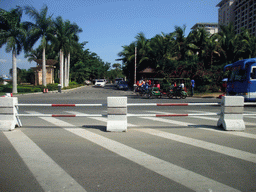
(117,114)
(8,111)
(231,117)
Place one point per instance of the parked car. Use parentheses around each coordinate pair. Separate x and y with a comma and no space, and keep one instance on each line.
(117,80)
(100,83)
(87,82)
(122,85)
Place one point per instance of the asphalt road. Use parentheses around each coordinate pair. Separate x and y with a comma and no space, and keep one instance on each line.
(155,154)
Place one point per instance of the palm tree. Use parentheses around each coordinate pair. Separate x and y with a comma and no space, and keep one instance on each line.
(245,47)
(13,34)
(66,41)
(228,41)
(127,56)
(143,47)
(72,35)
(161,47)
(42,28)
(180,42)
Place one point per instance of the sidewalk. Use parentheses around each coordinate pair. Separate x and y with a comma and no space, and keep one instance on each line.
(208,95)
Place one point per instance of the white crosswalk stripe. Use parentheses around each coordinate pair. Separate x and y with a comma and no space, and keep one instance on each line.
(202,144)
(49,174)
(178,174)
(241,134)
(164,168)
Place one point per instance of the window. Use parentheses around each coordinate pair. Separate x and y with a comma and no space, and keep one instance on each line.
(253,73)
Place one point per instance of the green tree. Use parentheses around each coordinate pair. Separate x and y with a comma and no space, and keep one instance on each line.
(66,40)
(42,28)
(161,52)
(117,66)
(245,46)
(228,41)
(13,34)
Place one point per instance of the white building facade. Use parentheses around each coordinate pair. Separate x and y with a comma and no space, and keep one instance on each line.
(209,27)
(242,13)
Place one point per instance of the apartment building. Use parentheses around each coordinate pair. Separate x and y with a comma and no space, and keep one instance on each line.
(209,27)
(242,13)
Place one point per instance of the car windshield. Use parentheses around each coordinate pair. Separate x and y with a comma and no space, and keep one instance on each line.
(100,81)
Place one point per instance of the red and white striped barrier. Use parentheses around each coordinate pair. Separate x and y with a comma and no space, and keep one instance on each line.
(231,116)
(60,105)
(171,104)
(172,115)
(60,115)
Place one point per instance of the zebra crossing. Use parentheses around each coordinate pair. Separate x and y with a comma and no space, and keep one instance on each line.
(191,157)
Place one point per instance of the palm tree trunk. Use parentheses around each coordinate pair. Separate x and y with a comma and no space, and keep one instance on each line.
(68,69)
(14,72)
(44,69)
(61,68)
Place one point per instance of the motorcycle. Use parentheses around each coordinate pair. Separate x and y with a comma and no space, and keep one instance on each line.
(177,92)
(153,92)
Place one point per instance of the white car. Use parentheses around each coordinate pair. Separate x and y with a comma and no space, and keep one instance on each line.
(100,83)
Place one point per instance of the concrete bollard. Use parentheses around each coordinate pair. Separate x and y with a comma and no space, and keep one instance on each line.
(8,111)
(231,117)
(117,114)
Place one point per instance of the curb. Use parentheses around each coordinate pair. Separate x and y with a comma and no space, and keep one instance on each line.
(55,91)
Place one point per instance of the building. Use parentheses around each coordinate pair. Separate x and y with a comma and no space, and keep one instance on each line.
(209,27)
(49,71)
(226,12)
(242,13)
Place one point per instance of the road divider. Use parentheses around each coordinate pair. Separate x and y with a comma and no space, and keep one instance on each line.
(231,114)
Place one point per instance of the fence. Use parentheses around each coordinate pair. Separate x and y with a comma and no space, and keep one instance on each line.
(231,113)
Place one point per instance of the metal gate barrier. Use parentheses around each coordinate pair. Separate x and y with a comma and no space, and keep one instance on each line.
(231,113)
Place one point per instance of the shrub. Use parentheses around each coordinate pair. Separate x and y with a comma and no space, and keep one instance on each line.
(73,83)
(24,89)
(7,89)
(52,87)
(36,89)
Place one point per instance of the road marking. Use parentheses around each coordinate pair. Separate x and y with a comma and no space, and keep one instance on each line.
(216,119)
(99,118)
(203,144)
(47,172)
(240,134)
(178,174)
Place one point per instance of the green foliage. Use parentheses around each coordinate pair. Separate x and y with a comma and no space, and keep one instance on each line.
(73,83)
(200,56)
(52,87)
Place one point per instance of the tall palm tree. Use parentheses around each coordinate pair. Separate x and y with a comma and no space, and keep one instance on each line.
(161,47)
(73,42)
(180,42)
(228,41)
(245,47)
(13,34)
(42,28)
(143,47)
(61,42)
(66,40)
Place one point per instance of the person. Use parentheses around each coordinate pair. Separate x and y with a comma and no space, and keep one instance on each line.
(224,86)
(157,85)
(182,85)
(149,82)
(192,87)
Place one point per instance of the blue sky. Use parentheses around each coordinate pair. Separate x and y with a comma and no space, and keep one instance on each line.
(109,24)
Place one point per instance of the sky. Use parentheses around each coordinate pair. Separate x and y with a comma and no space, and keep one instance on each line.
(110,24)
